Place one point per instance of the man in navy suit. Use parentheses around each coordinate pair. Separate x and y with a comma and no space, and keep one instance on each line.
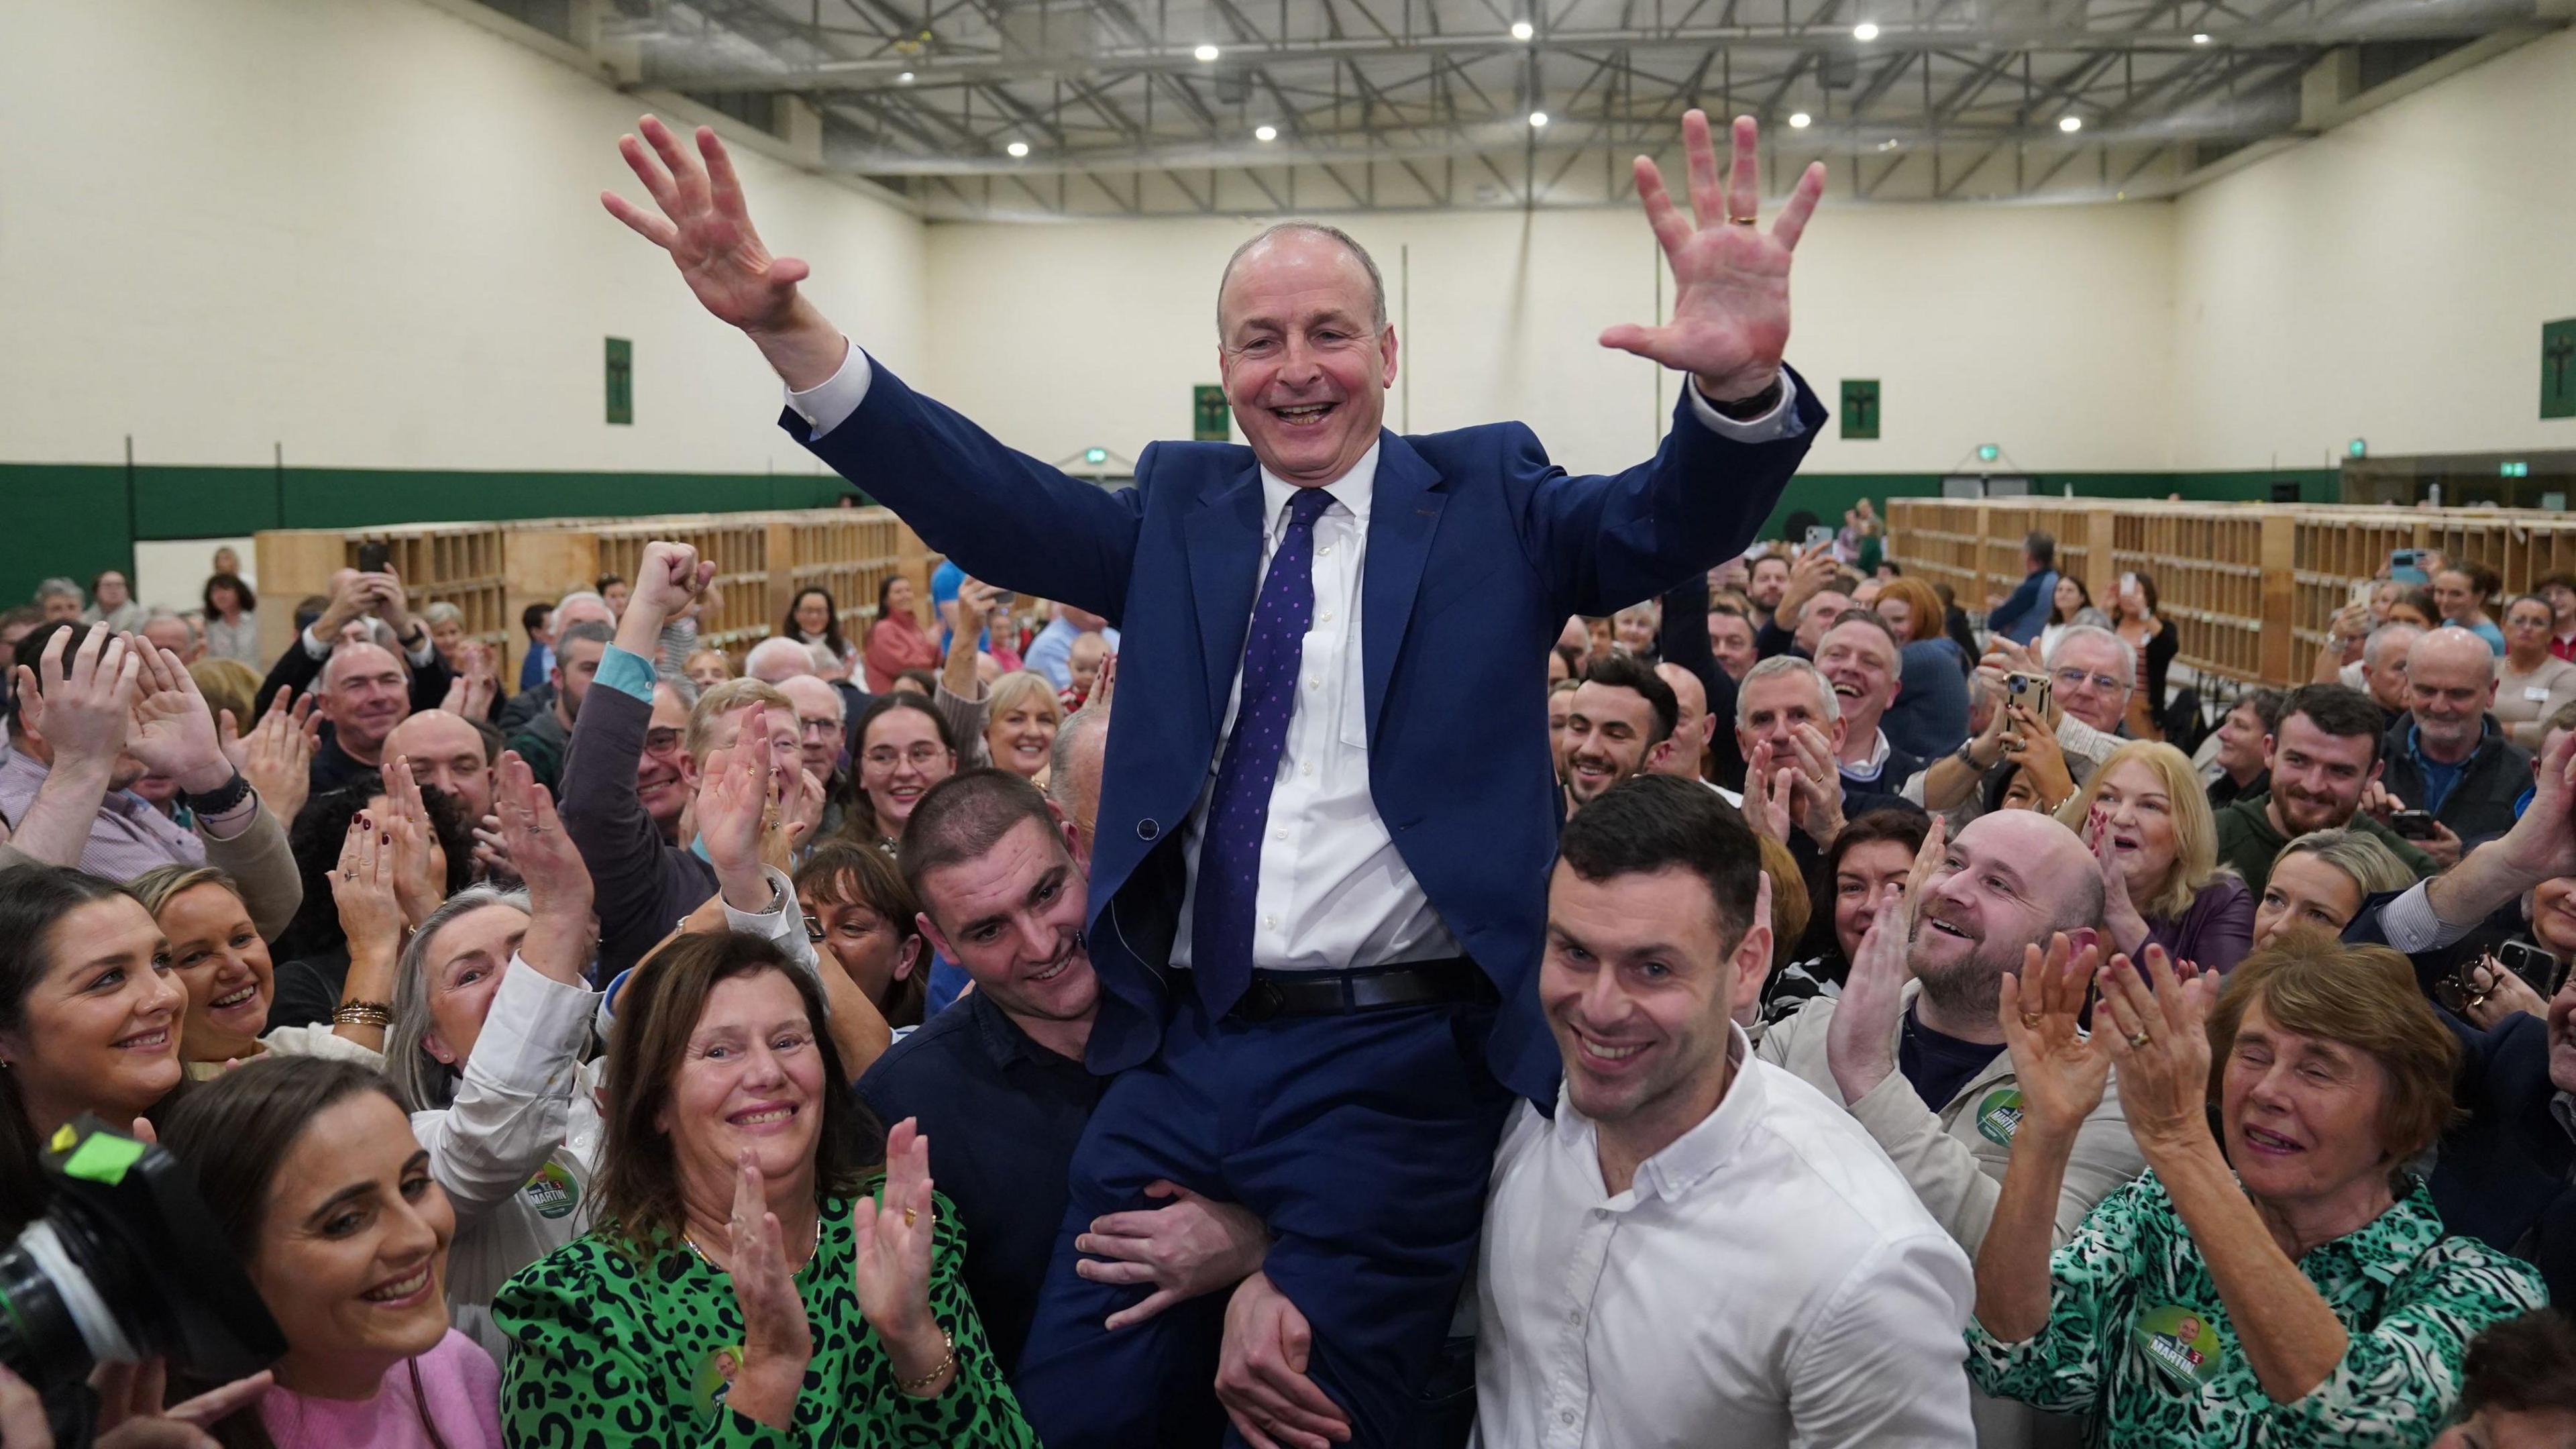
(1325,827)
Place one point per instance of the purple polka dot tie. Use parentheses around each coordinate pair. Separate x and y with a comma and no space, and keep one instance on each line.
(1239,812)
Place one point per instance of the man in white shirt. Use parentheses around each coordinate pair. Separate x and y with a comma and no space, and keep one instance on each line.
(1699,1248)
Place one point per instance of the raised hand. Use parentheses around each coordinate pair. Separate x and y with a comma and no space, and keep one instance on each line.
(733,806)
(174,732)
(1819,785)
(363,888)
(1770,796)
(419,872)
(277,755)
(2032,744)
(777,1339)
(390,603)
(2120,918)
(1261,1373)
(1860,1042)
(2156,1018)
(1196,1245)
(1730,319)
(560,936)
(669,579)
(1105,686)
(705,227)
(891,1264)
(2061,1071)
(84,713)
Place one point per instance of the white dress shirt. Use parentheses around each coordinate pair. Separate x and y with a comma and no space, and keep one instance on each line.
(1334,894)
(1768,1279)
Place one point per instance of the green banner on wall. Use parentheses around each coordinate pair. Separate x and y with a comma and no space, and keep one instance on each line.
(2558,369)
(1860,407)
(1212,421)
(621,381)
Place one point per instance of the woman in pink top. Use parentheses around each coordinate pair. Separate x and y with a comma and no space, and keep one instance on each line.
(896,641)
(312,1172)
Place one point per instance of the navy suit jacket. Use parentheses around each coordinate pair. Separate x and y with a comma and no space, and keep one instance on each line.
(1478,549)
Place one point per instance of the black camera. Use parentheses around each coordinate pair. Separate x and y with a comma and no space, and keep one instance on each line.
(126,1264)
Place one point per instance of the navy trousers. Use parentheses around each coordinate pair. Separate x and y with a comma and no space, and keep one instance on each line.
(1364,1141)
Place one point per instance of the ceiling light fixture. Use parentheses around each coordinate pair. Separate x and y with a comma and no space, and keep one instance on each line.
(1800,120)
(1538,120)
(904,79)
(1265,133)
(1523,30)
(2200,37)
(1205,52)
(1866,30)
(1017,149)
(2070,124)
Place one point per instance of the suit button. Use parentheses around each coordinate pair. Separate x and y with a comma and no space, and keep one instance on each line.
(1147,830)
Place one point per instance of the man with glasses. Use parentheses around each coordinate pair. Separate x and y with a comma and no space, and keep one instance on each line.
(819,739)
(2090,675)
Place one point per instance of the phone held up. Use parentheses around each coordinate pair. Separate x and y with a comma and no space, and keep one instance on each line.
(372,558)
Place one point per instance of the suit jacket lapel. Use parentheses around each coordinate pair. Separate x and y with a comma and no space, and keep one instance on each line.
(1225,569)
(1404,512)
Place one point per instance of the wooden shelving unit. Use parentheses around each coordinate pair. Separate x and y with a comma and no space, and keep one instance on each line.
(494,570)
(2249,587)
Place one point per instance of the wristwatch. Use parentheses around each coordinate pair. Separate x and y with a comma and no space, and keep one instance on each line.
(1747,409)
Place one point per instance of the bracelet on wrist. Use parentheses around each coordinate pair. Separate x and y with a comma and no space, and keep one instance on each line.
(947,1361)
(225,797)
(363,1013)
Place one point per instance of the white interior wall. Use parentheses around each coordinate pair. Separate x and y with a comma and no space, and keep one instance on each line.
(369,230)
(2043,329)
(2387,279)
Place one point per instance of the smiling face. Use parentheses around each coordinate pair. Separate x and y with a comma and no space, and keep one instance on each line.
(1021,736)
(1770,711)
(1633,628)
(1869,875)
(1730,637)
(352,1249)
(1012,918)
(224,965)
(2450,685)
(899,760)
(2456,598)
(446,752)
(364,695)
(2092,679)
(813,614)
(2317,778)
(665,776)
(447,634)
(2136,813)
(818,723)
(875,951)
(1859,661)
(2305,891)
(2301,1113)
(1609,736)
(2553,916)
(1639,983)
(2240,742)
(2006,882)
(464,963)
(1305,364)
(1899,616)
(101,1027)
(749,1080)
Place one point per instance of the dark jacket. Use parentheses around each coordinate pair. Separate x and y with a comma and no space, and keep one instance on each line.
(2503,1175)
(298,670)
(641,885)
(2481,804)
(1930,715)
(2247,841)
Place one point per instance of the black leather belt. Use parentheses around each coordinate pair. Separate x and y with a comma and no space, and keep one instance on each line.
(1373,988)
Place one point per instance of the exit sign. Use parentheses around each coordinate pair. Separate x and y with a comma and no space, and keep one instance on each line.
(2513,470)
(2356,449)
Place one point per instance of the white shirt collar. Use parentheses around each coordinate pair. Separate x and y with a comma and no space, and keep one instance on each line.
(1352,490)
(1696,1155)
(1869,769)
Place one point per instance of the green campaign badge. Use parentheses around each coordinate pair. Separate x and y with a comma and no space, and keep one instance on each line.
(715,1380)
(2180,1341)
(1999,1116)
(552,1192)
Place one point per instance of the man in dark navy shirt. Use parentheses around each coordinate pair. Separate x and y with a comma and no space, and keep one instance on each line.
(997,1082)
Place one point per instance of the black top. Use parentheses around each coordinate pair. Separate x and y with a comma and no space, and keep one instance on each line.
(1003,1115)
(307,990)
(332,766)
(1937,1064)
(2224,791)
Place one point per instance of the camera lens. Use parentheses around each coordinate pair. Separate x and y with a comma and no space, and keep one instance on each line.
(38,1341)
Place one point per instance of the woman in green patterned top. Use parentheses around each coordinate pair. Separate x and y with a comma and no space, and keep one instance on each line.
(744,1286)
(2308,1296)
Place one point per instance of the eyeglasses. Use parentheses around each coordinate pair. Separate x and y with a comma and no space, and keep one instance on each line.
(813,927)
(2076,678)
(922,756)
(661,741)
(826,724)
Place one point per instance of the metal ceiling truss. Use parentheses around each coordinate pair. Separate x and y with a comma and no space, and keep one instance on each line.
(1069,108)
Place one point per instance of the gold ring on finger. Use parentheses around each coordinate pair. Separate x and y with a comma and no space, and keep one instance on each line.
(1742,220)
(908,1214)
(2030,1020)
(2139,1038)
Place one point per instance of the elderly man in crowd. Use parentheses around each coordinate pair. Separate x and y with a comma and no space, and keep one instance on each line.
(447,753)
(362,695)
(1858,656)
(1912,1050)
(1073,774)
(1620,724)
(578,607)
(83,732)
(61,601)
(545,738)
(2381,671)
(822,741)
(999,1076)
(1677,1159)
(1693,725)
(1051,653)
(2091,673)
(168,629)
(2322,758)
(362,608)
(1789,725)
(2449,757)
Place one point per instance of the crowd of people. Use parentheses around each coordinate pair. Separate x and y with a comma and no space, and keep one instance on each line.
(1807,1012)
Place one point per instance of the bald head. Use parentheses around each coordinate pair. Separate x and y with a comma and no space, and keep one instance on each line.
(447,751)
(2009,880)
(1073,774)
(2450,686)
(774,660)
(1303,240)
(364,695)
(1692,726)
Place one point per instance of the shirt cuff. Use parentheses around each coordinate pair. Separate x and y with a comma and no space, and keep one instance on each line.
(420,657)
(828,404)
(233,823)
(531,1040)
(629,674)
(773,921)
(313,644)
(1779,423)
(2412,925)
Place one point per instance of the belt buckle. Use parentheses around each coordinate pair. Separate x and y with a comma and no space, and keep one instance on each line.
(1261,1001)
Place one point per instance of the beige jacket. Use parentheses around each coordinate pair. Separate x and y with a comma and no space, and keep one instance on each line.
(1955,1159)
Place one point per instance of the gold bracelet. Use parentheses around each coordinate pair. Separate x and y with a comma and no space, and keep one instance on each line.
(947,1361)
(363,1013)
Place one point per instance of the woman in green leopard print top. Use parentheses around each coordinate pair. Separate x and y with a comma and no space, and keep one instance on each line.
(2296,1289)
(747,1286)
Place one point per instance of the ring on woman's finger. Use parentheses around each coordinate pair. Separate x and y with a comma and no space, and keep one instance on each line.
(2139,1038)
(2030,1020)
(908,1214)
